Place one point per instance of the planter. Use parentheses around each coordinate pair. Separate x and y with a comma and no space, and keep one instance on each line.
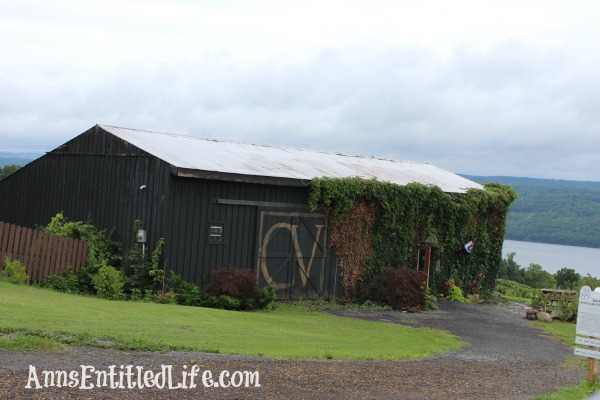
(531,316)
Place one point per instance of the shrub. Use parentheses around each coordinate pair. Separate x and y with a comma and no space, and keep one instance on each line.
(399,288)
(225,302)
(227,296)
(66,281)
(537,300)
(430,301)
(145,296)
(143,273)
(566,309)
(14,271)
(102,250)
(186,293)
(455,293)
(108,283)
(267,297)
(237,283)
(165,298)
(136,268)
(515,289)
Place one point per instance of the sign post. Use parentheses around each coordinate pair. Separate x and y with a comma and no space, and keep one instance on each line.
(588,324)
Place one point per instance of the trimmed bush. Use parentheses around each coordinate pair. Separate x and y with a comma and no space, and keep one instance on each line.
(237,283)
(399,288)
(66,281)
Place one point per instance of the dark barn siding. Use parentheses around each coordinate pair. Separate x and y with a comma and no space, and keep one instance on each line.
(98,175)
(202,202)
(95,175)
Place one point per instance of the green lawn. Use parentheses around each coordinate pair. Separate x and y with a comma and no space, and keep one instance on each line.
(44,317)
(565,332)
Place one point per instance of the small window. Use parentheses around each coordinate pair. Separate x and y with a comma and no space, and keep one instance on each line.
(215,233)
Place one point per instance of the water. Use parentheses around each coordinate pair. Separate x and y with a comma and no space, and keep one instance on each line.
(552,257)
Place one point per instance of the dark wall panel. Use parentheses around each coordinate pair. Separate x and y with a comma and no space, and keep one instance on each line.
(196,206)
(95,175)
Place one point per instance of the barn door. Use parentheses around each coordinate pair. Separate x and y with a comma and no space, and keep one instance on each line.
(291,253)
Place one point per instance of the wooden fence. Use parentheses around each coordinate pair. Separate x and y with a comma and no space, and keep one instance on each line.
(41,253)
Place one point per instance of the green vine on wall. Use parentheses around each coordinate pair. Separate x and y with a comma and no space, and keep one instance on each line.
(406,216)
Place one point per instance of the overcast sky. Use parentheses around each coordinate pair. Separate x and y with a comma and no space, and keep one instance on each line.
(476,87)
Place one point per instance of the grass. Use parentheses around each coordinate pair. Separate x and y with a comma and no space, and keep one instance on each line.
(32,317)
(20,341)
(516,299)
(572,392)
(565,332)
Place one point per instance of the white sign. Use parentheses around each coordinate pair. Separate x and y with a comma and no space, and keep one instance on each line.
(588,313)
(587,353)
(587,341)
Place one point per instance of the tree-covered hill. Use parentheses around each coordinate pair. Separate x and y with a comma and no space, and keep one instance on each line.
(552,211)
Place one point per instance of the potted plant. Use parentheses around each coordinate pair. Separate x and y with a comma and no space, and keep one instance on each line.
(530,313)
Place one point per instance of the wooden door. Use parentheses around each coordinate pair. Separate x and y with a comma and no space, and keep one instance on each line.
(423,262)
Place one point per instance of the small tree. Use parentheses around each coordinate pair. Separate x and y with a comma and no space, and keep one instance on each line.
(567,278)
(590,281)
(510,270)
(7,170)
(537,277)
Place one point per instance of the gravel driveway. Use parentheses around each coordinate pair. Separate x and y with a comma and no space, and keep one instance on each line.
(507,359)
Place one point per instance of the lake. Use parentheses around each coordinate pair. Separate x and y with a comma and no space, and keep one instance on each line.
(552,257)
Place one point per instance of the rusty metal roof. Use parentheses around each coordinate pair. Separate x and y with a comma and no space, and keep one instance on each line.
(223,156)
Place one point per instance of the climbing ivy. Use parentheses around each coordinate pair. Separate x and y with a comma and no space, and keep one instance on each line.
(400,218)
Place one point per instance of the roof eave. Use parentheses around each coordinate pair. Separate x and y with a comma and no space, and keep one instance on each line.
(225,176)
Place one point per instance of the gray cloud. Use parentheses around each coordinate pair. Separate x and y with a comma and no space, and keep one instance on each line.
(512,108)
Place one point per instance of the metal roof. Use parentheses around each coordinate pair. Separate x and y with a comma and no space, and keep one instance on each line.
(223,156)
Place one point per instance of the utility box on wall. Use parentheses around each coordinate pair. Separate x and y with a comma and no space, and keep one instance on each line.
(141,236)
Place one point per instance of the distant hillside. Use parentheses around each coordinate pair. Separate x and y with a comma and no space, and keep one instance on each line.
(552,211)
(7,158)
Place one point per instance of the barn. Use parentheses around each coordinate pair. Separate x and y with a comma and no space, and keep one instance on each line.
(216,203)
